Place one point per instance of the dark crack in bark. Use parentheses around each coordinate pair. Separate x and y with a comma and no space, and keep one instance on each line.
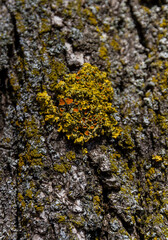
(138,27)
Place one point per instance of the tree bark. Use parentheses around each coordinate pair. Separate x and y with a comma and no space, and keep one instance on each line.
(109,188)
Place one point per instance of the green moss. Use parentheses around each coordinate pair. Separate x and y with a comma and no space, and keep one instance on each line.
(84,109)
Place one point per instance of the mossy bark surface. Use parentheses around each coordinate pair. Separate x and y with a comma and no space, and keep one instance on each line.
(108,187)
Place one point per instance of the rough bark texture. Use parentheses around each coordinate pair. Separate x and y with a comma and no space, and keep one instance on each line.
(109,188)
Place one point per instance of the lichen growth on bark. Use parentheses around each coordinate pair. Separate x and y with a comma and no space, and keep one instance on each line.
(83,105)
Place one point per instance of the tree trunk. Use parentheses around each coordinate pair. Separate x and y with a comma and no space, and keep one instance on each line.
(108,188)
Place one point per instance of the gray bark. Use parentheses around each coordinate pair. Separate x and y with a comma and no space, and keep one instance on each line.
(118,189)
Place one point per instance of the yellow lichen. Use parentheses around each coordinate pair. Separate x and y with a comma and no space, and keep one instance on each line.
(14,82)
(20,22)
(103,53)
(164,23)
(70,155)
(84,151)
(39,208)
(60,168)
(115,45)
(96,203)
(58,69)
(126,140)
(157,158)
(45,25)
(136,67)
(78,222)
(90,92)
(146,9)
(47,107)
(21,200)
(90,16)
(61,219)
(29,193)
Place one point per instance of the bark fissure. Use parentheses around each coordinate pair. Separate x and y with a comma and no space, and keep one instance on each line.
(139,28)
(16,37)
